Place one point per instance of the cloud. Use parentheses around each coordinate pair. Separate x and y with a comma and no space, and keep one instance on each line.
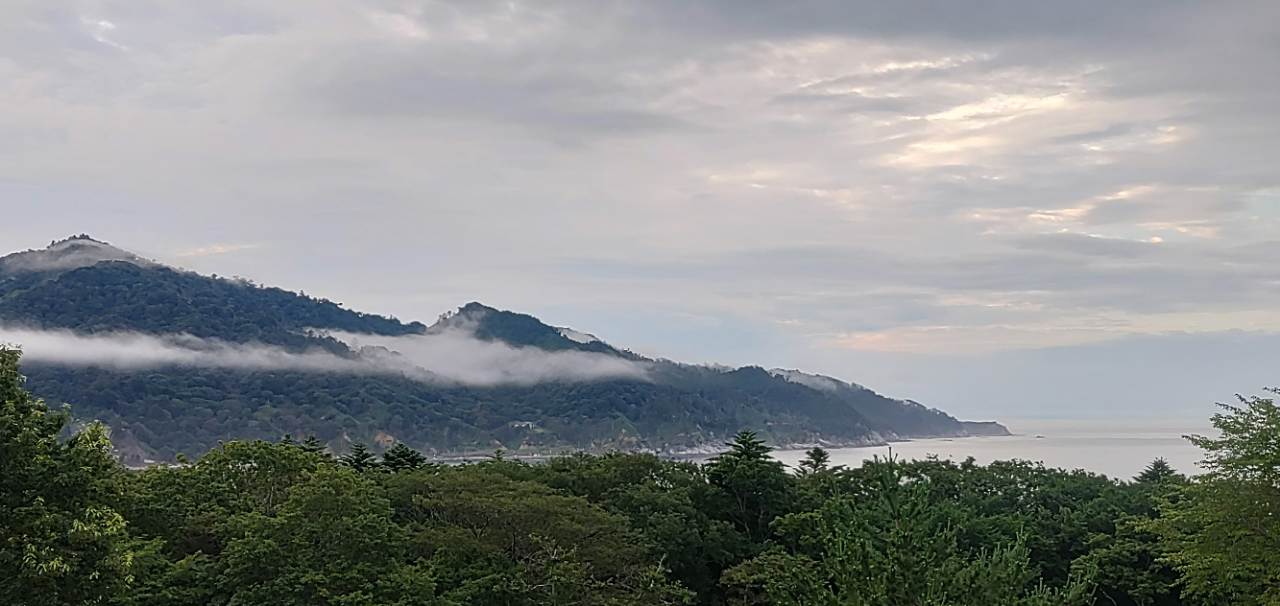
(131,351)
(456,355)
(217,249)
(451,357)
(985,173)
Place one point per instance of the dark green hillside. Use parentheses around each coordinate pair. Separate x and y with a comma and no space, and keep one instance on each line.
(87,286)
(191,410)
(906,419)
(118,295)
(886,416)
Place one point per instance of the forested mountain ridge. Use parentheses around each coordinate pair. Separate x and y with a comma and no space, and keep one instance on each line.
(61,287)
(158,411)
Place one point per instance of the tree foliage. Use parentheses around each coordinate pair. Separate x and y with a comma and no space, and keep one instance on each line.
(61,541)
(751,489)
(1222,532)
(402,458)
(894,545)
(256,523)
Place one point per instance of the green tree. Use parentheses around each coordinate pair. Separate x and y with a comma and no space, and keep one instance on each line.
(816,460)
(359,459)
(333,543)
(751,487)
(1223,531)
(1157,472)
(895,547)
(497,542)
(1127,566)
(188,507)
(61,542)
(311,444)
(402,458)
(667,502)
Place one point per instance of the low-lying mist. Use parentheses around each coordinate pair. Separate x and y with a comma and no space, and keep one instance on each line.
(457,355)
(448,357)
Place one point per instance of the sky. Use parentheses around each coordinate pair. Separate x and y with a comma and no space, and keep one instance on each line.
(1000,208)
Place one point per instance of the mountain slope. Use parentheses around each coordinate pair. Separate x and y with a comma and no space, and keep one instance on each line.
(88,287)
(62,288)
(519,330)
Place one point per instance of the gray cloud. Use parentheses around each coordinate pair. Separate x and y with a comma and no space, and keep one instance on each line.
(391,84)
(451,357)
(130,351)
(456,355)
(970,19)
(932,176)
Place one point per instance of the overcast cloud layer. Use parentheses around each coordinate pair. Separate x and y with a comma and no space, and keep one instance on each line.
(786,184)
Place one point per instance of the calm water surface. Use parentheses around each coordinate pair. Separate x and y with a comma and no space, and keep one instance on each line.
(1116,448)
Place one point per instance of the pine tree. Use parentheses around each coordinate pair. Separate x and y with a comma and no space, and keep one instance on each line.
(1156,472)
(311,444)
(359,459)
(815,460)
(403,458)
(751,488)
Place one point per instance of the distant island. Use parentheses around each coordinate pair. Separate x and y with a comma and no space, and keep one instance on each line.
(217,359)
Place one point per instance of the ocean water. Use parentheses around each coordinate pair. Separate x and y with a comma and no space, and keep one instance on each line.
(1115,448)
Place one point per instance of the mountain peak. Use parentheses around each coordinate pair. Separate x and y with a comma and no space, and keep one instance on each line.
(517,329)
(65,255)
(466,318)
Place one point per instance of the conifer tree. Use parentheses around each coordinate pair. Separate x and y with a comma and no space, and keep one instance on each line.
(1156,472)
(403,458)
(752,487)
(815,460)
(359,459)
(311,444)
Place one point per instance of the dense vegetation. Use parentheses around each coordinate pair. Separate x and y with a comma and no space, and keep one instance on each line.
(158,413)
(186,410)
(118,295)
(253,522)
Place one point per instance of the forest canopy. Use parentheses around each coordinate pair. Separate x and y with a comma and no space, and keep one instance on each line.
(256,522)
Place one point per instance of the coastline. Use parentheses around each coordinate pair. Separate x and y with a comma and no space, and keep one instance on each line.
(970,429)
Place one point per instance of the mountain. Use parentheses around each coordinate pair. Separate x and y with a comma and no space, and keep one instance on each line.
(90,286)
(65,255)
(557,388)
(519,330)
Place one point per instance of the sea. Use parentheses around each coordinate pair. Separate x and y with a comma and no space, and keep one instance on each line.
(1117,448)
